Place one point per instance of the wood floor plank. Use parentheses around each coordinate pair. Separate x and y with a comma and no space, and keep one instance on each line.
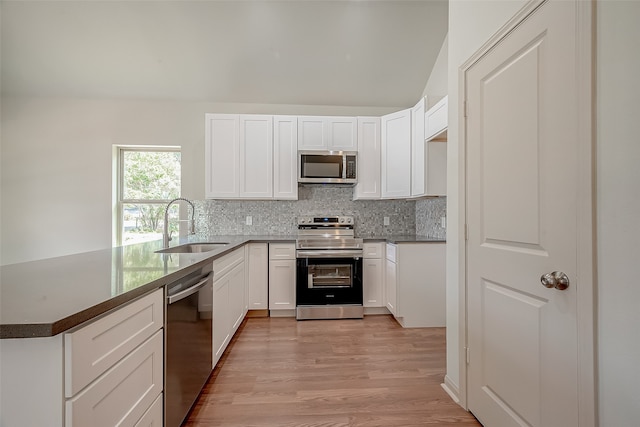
(330,373)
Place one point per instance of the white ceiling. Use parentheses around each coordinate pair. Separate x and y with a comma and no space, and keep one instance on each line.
(352,53)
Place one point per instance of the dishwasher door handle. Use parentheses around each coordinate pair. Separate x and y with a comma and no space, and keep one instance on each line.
(189,291)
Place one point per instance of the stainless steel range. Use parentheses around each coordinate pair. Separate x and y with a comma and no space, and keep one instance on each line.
(329,269)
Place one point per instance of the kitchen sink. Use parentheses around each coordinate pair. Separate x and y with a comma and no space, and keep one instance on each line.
(192,248)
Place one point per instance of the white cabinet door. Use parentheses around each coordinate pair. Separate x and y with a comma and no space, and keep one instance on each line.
(391,287)
(222,155)
(221,317)
(342,133)
(282,276)
(258,275)
(282,284)
(312,133)
(372,283)
(369,152)
(256,157)
(327,133)
(236,297)
(418,151)
(396,155)
(285,157)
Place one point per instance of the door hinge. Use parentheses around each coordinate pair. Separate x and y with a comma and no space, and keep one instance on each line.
(466,232)
(466,109)
(468,355)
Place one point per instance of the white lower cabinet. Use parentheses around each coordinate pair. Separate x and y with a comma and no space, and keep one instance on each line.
(106,372)
(124,393)
(154,415)
(258,276)
(229,308)
(282,278)
(372,275)
(391,280)
(415,284)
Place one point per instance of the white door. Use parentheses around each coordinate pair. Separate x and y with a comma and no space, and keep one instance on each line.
(521,214)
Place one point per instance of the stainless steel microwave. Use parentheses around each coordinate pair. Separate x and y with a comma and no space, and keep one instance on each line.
(327,167)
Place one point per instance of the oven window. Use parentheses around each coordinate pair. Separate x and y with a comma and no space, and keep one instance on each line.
(329,276)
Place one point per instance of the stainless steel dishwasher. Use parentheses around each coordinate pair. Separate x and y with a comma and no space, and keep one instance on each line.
(188,346)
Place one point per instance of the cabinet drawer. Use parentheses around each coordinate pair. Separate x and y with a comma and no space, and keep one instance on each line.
(124,393)
(153,416)
(391,252)
(372,250)
(222,266)
(92,349)
(282,251)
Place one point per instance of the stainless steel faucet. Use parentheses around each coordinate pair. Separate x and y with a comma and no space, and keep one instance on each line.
(166,234)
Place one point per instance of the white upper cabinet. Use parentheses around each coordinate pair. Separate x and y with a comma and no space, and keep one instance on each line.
(342,133)
(418,151)
(285,157)
(256,156)
(222,155)
(312,133)
(369,152)
(327,133)
(248,158)
(436,120)
(396,155)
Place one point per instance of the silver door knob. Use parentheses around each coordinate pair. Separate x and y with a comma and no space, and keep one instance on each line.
(556,279)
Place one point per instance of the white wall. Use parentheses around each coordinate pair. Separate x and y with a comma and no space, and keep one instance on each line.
(618,211)
(471,23)
(56,154)
(437,86)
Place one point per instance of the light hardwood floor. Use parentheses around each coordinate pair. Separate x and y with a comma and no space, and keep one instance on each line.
(330,373)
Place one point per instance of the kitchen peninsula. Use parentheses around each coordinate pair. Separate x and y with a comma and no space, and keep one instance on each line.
(45,302)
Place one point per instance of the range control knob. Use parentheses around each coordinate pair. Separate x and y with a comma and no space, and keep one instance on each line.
(341,220)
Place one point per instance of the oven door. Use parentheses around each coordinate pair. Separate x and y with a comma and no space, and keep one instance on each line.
(329,281)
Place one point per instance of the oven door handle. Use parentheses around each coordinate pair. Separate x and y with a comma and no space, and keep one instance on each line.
(328,254)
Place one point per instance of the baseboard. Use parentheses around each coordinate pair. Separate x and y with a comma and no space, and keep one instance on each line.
(368,311)
(452,389)
(258,313)
(282,313)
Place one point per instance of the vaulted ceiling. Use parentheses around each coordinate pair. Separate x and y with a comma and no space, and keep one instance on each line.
(352,53)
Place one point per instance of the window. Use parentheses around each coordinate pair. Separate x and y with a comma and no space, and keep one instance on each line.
(148,178)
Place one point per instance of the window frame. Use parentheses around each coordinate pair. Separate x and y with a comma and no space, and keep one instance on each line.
(119,201)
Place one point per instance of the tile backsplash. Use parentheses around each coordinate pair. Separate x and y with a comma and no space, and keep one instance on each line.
(228,217)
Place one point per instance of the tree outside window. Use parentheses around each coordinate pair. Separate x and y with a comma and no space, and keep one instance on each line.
(149,179)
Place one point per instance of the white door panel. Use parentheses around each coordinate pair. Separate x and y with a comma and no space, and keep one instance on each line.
(521,213)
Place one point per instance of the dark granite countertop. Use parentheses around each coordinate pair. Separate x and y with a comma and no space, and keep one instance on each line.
(46,297)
